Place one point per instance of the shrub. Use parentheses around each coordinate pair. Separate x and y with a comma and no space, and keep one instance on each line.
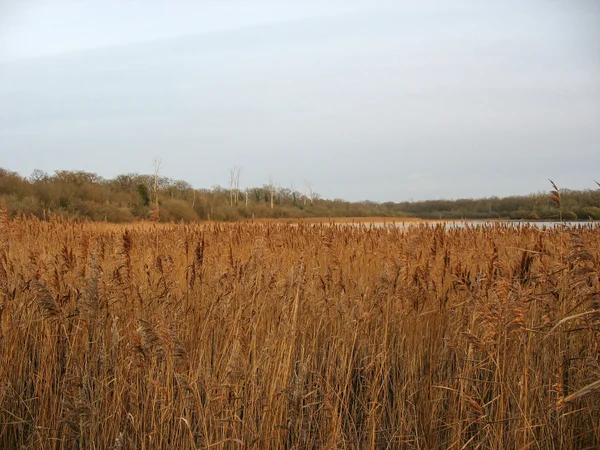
(177,210)
(590,212)
(569,215)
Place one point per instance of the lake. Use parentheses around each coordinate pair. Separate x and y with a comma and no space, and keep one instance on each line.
(481,223)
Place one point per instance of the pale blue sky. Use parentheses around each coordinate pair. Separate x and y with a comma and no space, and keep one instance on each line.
(385,100)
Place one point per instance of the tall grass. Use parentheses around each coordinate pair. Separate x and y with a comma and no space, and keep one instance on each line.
(308,336)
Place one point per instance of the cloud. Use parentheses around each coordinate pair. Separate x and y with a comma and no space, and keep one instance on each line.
(386,106)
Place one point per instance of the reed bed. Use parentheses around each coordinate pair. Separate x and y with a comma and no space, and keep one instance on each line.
(274,336)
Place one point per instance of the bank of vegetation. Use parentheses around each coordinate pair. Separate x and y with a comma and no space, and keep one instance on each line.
(134,197)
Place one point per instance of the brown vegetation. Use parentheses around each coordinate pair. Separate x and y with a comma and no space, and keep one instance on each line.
(308,336)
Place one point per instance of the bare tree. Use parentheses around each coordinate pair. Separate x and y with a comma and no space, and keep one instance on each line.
(309,192)
(157,165)
(234,184)
(272,188)
(38,175)
(231,184)
(237,184)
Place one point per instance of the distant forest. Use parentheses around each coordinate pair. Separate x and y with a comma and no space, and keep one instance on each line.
(133,197)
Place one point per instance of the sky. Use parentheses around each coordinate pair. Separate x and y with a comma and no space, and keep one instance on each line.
(379,100)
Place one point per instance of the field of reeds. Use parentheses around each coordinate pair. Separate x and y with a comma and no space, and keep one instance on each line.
(279,336)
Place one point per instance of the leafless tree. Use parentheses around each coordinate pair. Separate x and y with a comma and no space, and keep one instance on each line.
(309,192)
(38,175)
(234,184)
(157,165)
(237,184)
(272,189)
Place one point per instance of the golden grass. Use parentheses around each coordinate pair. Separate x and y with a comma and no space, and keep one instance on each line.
(308,336)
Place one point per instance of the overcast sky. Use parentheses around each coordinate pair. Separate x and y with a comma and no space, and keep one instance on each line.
(380,100)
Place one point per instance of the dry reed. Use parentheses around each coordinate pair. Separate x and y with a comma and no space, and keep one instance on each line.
(309,336)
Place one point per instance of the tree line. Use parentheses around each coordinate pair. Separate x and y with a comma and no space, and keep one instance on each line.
(132,197)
